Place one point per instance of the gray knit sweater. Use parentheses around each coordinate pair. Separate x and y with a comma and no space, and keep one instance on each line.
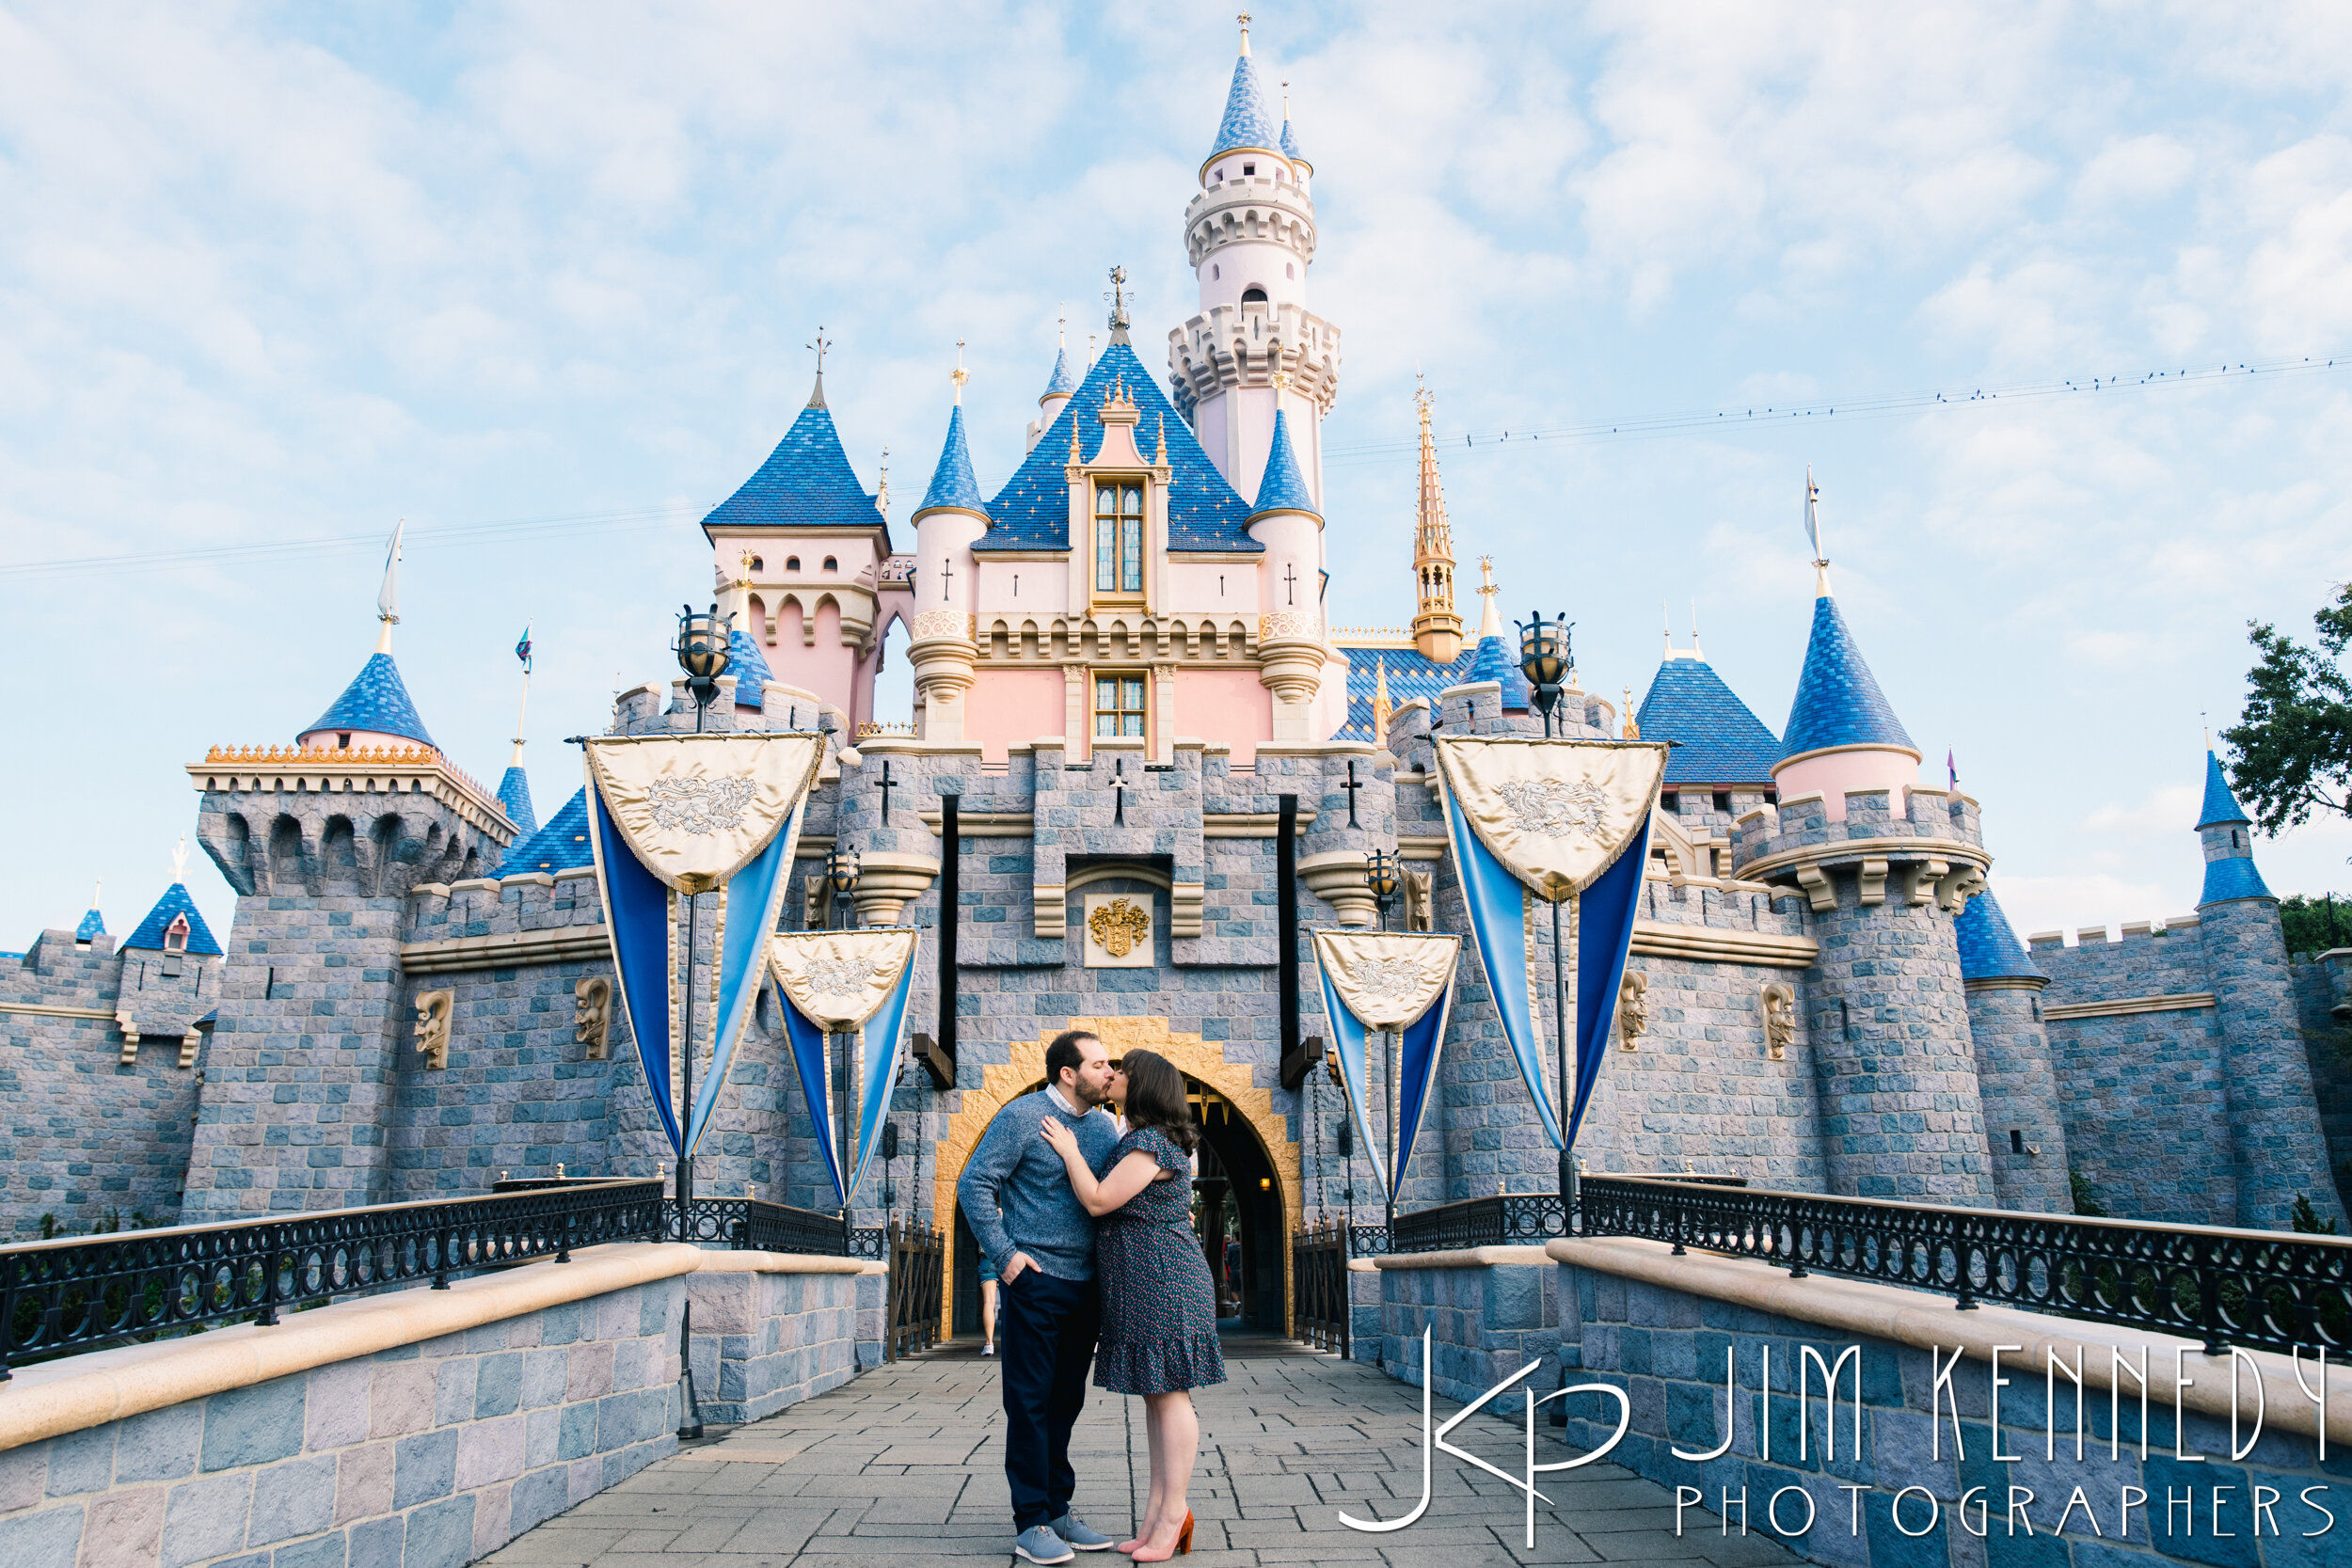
(1016,1170)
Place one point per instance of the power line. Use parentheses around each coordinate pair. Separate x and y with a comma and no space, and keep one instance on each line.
(1878,407)
(482,532)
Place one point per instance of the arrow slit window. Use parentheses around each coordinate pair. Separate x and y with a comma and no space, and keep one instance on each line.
(1118,538)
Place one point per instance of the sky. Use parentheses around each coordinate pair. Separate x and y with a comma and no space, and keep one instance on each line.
(538,279)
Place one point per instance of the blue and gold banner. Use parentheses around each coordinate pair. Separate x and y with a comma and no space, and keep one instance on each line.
(1556,821)
(845,1011)
(671,817)
(1389,983)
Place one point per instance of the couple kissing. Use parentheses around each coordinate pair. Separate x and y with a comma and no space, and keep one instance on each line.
(1089,1234)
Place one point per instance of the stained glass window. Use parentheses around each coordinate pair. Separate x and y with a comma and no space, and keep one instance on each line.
(1119,705)
(1118,538)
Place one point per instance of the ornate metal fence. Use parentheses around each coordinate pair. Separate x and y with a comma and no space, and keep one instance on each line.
(910,1304)
(1510,1219)
(83,1292)
(1319,1304)
(2263,1290)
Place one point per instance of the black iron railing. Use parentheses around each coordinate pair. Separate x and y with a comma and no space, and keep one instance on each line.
(910,1301)
(1319,1301)
(869,1241)
(2262,1289)
(1367,1241)
(65,1295)
(1504,1219)
(62,1296)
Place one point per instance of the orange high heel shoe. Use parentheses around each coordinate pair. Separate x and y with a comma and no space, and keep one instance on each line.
(1184,1537)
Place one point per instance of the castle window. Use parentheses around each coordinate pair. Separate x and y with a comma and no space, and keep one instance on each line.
(1723,800)
(759,564)
(1118,539)
(176,935)
(1289,269)
(342,740)
(2017,1140)
(832,565)
(1119,704)
(791,563)
(1252,295)
(1669,803)
(1248,169)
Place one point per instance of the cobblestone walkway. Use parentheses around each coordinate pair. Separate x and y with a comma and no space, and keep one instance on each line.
(905,1465)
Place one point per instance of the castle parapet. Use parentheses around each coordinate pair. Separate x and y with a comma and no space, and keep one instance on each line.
(1933,853)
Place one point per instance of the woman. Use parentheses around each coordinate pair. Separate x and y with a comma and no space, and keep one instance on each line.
(1159,1305)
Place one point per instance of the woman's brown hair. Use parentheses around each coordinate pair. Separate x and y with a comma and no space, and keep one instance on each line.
(1155,1097)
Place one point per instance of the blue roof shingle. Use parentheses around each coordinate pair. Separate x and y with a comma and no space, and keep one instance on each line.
(1284,487)
(1032,511)
(1061,383)
(1413,673)
(170,907)
(749,667)
(1988,949)
(378,700)
(561,846)
(806,483)
(2221,807)
(1290,144)
(93,926)
(952,484)
(1838,700)
(515,800)
(1248,122)
(2233,878)
(1721,742)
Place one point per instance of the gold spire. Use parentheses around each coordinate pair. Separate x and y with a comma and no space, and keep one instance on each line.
(881,494)
(960,376)
(1159,458)
(1437,624)
(1633,730)
(1382,710)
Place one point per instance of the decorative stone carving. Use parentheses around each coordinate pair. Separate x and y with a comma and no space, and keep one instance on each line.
(432,1017)
(1632,1009)
(1779,1003)
(1118,931)
(592,1014)
(1420,900)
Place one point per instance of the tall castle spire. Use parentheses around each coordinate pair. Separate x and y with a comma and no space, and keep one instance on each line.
(1437,624)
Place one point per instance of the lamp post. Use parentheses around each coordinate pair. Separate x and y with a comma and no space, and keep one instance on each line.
(841,872)
(1381,878)
(703,653)
(1545,656)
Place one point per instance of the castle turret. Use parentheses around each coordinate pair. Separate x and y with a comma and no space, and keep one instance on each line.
(1437,621)
(812,549)
(1885,868)
(1291,645)
(1250,237)
(2015,1070)
(1843,737)
(951,518)
(1058,386)
(2279,1149)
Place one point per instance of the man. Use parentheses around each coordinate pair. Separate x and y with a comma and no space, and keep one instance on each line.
(1015,1194)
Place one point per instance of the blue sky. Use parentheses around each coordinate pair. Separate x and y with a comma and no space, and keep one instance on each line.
(276,274)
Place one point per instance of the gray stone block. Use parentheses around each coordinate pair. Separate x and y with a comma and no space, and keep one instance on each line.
(379,1543)
(424,1467)
(324,1551)
(205,1519)
(440,1535)
(293,1499)
(82,1461)
(48,1538)
(253,1426)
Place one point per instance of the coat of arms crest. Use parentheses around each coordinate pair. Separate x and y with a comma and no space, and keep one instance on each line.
(1555,808)
(1120,926)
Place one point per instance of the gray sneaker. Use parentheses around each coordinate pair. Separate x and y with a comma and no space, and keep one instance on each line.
(1039,1544)
(1083,1536)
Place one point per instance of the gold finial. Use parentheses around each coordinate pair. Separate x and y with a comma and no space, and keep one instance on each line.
(960,376)
(1281,381)
(1695,630)
(1633,731)
(1061,328)
(1487,575)
(1074,459)
(743,563)
(1382,708)
(1159,459)
(1245,32)
(881,491)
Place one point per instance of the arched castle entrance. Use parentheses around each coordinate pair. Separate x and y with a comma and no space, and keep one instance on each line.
(1201,1060)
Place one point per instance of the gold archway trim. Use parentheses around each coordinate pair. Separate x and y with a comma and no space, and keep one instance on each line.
(1002,1082)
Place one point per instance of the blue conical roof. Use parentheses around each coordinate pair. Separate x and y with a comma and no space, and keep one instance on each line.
(806,483)
(170,907)
(2221,807)
(1838,700)
(1721,742)
(378,700)
(749,667)
(1290,145)
(515,800)
(561,845)
(93,926)
(1061,383)
(1284,487)
(952,484)
(1989,949)
(1248,122)
(1492,661)
(2232,876)
(1032,511)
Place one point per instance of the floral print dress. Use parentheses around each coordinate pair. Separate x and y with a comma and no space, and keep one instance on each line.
(1159,1305)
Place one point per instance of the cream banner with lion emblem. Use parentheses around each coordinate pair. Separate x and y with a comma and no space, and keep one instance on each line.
(1563,822)
(1557,812)
(1400,986)
(696,808)
(845,1012)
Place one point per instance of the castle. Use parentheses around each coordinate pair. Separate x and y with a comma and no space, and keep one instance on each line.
(1123,663)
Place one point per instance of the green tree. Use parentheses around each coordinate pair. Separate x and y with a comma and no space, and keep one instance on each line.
(2316,924)
(2294,741)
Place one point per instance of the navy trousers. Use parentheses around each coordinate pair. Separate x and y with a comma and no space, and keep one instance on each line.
(1046,1333)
